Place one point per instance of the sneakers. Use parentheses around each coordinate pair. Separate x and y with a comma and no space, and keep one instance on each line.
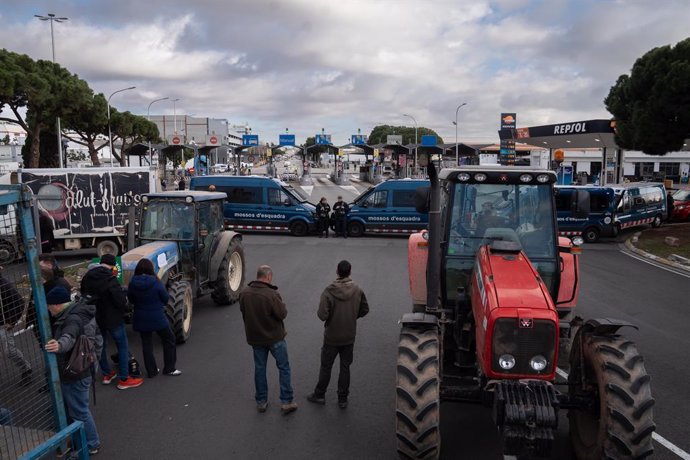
(288,408)
(107,378)
(130,382)
(262,407)
(94,450)
(313,398)
(174,373)
(342,403)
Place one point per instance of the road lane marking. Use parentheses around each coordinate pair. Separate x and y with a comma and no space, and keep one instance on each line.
(655,436)
(655,264)
(350,188)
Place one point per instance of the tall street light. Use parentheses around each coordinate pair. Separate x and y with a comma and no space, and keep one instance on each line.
(148,118)
(175,114)
(110,134)
(415,137)
(52,18)
(456,131)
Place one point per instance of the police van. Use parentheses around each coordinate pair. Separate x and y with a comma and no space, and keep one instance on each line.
(260,203)
(593,211)
(388,207)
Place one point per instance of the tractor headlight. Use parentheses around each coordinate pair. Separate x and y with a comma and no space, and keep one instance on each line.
(543,178)
(480,177)
(577,240)
(506,362)
(525,178)
(463,177)
(538,363)
(189,199)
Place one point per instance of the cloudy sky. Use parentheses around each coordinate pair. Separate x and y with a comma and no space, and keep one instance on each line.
(344,65)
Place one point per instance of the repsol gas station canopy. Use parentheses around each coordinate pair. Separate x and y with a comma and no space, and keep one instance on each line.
(573,135)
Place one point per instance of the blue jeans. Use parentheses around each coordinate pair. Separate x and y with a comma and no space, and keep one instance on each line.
(119,335)
(76,396)
(279,352)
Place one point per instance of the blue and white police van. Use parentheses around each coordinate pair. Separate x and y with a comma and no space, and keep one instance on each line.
(260,203)
(388,207)
(593,211)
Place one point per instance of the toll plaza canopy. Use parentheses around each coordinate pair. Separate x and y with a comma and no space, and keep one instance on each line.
(574,135)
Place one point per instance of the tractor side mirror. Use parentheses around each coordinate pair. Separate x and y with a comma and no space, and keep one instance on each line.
(581,201)
(422,199)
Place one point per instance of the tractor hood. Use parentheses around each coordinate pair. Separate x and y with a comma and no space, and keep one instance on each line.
(163,254)
(517,284)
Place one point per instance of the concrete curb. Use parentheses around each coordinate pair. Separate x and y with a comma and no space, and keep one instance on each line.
(629,245)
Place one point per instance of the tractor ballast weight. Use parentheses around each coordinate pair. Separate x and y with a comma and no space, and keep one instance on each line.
(500,288)
(183,234)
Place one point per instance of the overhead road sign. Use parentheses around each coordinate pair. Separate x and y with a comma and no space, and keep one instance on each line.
(250,140)
(428,140)
(286,139)
(358,139)
(323,139)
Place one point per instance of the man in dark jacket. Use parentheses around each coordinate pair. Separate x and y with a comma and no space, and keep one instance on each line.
(69,321)
(11,310)
(323,211)
(263,311)
(101,288)
(340,210)
(342,303)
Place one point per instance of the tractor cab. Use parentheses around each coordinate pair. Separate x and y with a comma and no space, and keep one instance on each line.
(484,205)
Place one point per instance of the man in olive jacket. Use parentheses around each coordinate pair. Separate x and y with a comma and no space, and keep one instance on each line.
(263,311)
(342,303)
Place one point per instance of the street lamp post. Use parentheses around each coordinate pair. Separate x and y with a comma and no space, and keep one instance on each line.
(148,118)
(110,134)
(175,113)
(52,18)
(415,137)
(456,131)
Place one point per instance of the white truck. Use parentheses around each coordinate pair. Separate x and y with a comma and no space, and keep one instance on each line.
(87,207)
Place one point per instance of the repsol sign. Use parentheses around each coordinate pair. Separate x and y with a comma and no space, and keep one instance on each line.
(570,128)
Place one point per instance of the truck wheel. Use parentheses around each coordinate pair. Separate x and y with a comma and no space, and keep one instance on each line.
(179,310)
(656,223)
(299,228)
(230,275)
(591,235)
(619,423)
(355,229)
(8,253)
(107,247)
(417,400)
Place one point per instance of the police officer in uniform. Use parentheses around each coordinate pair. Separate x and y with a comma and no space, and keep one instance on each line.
(340,210)
(323,211)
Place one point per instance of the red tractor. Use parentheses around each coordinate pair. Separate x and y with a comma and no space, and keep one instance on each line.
(494,289)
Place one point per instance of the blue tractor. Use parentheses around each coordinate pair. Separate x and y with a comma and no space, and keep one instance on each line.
(183,234)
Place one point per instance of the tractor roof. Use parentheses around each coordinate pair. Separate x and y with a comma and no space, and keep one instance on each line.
(197,195)
(496,174)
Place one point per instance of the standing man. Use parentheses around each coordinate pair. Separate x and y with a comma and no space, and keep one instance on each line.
(263,311)
(342,303)
(181,183)
(11,310)
(669,205)
(323,210)
(340,209)
(69,321)
(101,288)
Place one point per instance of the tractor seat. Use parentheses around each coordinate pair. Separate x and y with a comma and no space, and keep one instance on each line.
(500,234)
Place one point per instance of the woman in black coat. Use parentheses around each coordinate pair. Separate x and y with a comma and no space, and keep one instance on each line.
(149,296)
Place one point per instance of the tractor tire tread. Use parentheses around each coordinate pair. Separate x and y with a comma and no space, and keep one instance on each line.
(222,294)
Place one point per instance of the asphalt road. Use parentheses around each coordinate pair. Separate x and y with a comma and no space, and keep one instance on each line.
(209,412)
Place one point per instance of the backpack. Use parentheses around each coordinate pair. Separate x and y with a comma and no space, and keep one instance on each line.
(82,358)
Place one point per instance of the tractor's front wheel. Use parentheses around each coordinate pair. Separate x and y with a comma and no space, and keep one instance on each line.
(179,310)
(618,423)
(418,403)
(230,275)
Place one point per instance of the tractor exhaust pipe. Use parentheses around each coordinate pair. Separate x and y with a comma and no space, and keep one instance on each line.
(433,269)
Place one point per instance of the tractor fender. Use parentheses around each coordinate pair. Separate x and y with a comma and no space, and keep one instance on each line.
(219,253)
(417,255)
(603,326)
(422,320)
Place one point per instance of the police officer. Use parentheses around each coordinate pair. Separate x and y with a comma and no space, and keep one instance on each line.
(340,210)
(323,210)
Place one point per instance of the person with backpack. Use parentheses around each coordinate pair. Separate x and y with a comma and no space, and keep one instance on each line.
(149,297)
(69,321)
(100,287)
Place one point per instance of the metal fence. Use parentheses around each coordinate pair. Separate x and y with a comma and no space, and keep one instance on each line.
(33,423)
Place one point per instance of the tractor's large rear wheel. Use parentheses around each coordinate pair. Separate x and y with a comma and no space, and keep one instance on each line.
(619,423)
(230,275)
(418,401)
(179,310)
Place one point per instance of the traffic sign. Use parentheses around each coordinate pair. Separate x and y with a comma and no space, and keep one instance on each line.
(175,139)
(428,140)
(323,139)
(250,139)
(212,140)
(286,139)
(357,139)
